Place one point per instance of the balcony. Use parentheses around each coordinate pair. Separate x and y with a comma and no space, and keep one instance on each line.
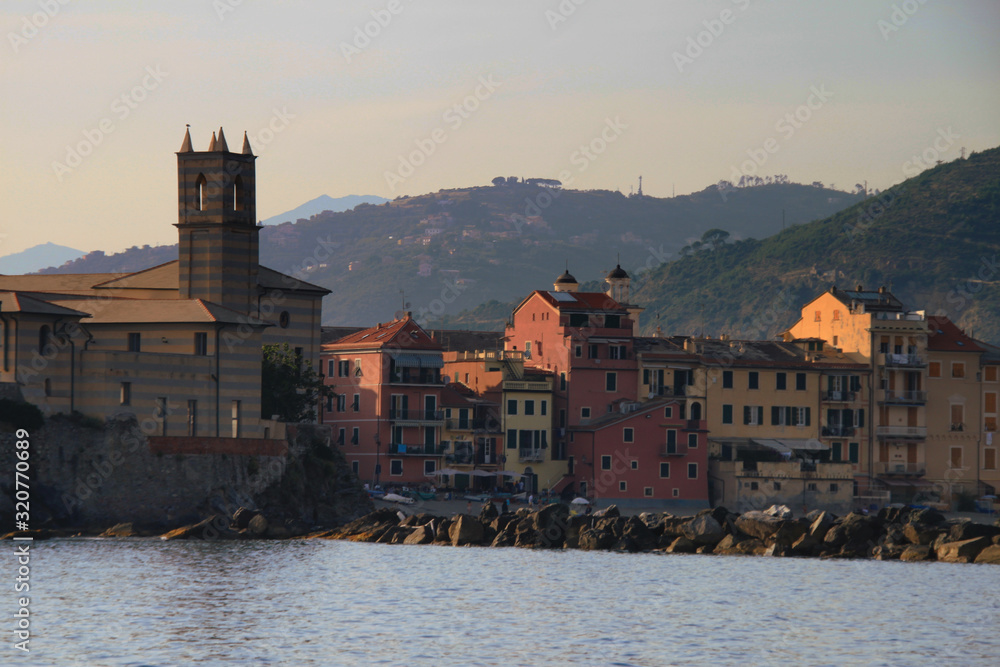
(531,455)
(900,468)
(417,416)
(901,432)
(837,431)
(674,449)
(416,450)
(904,397)
(524,385)
(891,360)
(839,396)
(485,425)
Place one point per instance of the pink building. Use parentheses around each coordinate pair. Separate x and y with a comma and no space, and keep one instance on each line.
(386,413)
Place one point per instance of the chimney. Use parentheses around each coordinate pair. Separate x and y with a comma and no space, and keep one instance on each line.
(861,288)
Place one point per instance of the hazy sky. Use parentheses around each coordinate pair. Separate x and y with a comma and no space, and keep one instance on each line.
(95,97)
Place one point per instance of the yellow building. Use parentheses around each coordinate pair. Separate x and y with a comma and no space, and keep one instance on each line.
(177,345)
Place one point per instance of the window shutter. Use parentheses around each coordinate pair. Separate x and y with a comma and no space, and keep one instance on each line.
(746,414)
(775,417)
(808,421)
(861,418)
(760,414)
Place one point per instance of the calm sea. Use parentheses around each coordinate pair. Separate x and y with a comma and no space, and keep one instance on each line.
(146,602)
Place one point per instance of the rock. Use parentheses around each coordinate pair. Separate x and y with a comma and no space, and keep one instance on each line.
(856,529)
(673,526)
(813,515)
(614,524)
(464,530)
(609,511)
(593,539)
(576,525)
(705,549)
(257,526)
(779,549)
(990,554)
(502,521)
(120,530)
(719,513)
(653,521)
(636,531)
(788,533)
(996,539)
(917,532)
(929,516)
(420,535)
(726,544)
(750,547)
(408,521)
(821,525)
(916,552)
(962,552)
(757,524)
(895,536)
(389,535)
(215,527)
(938,541)
(704,529)
(488,512)
(682,545)
(550,523)
(627,545)
(779,511)
(504,538)
(242,516)
(967,530)
(884,552)
(443,531)
(806,545)
(402,535)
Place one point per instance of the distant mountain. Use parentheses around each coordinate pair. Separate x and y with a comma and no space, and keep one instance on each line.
(934,240)
(38,257)
(323,203)
(452,250)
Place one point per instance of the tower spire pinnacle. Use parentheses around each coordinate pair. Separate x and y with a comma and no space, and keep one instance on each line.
(186,144)
(211,144)
(246,144)
(222,145)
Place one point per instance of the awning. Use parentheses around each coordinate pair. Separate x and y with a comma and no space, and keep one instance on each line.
(791,444)
(509,473)
(409,360)
(919,483)
(482,473)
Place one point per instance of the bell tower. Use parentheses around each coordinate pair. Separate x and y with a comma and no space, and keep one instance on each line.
(217,223)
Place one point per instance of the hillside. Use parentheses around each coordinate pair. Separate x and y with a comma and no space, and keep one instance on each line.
(455,249)
(933,239)
(36,257)
(320,204)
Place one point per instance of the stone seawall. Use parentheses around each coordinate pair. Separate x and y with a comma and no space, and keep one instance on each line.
(90,476)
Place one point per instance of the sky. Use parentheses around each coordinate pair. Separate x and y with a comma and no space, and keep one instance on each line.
(405,97)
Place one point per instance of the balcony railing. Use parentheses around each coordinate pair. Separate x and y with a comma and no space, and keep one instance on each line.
(674,449)
(531,455)
(416,415)
(900,468)
(525,385)
(486,424)
(904,432)
(416,450)
(903,360)
(838,396)
(837,431)
(904,396)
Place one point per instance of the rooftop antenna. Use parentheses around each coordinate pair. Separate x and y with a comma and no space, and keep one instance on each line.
(640,186)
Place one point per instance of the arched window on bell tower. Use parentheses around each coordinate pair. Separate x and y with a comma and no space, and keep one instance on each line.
(238,193)
(199,192)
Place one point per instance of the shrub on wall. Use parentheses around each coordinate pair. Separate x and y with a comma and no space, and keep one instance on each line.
(20,415)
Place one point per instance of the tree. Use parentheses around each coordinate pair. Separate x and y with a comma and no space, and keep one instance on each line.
(290,387)
(715,237)
(499,180)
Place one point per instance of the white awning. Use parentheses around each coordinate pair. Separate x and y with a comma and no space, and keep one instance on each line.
(791,444)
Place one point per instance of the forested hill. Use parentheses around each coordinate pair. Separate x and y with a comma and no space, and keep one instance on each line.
(455,249)
(934,240)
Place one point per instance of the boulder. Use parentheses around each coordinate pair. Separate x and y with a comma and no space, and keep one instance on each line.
(637,531)
(576,525)
(965,551)
(917,532)
(757,524)
(401,535)
(884,552)
(420,535)
(823,522)
(653,521)
(967,530)
(593,539)
(464,530)
(750,547)
(390,534)
(257,526)
(120,530)
(609,511)
(893,514)
(719,513)
(682,545)
(929,516)
(990,554)
(788,533)
(780,549)
(916,552)
(895,536)
(614,524)
(626,545)
(504,538)
(501,522)
(408,521)
(528,538)
(673,526)
(726,544)
(365,524)
(806,545)
(704,529)
(550,523)
(779,511)
(215,527)
(242,516)
(488,512)
(856,529)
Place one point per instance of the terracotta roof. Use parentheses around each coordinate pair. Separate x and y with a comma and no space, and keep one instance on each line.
(616,416)
(333,334)
(872,299)
(467,341)
(580,301)
(153,311)
(162,276)
(404,334)
(276,280)
(59,283)
(944,336)
(14,302)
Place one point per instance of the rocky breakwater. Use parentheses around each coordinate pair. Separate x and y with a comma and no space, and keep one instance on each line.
(893,534)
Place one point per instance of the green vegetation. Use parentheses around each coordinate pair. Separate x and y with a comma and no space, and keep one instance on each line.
(290,388)
(20,415)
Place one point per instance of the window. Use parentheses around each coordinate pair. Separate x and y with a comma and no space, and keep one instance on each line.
(727,379)
(753,380)
(562,419)
(692,471)
(329,403)
(836,315)
(618,352)
(192,418)
(668,412)
(396,467)
(284,319)
(779,416)
(883,345)
(343,368)
(341,436)
(592,351)
(753,415)
(578,351)
(634,464)
(236,417)
(430,467)
(812,486)
(818,317)
(341,402)
(958,369)
(331,365)
(545,408)
(355,435)
(934,369)
(613,321)
(584,413)
(605,462)
(676,493)
(356,467)
(357,367)
(777,486)
(727,414)
(780,381)
(527,349)
(512,438)
(611,381)
(623,486)
(834,488)
(135,342)
(356,405)
(854,452)
(801,416)
(126,393)
(990,374)
(671,441)
(664,471)
(836,453)
(647,491)
(529,407)
(199,195)
(990,458)
(800,382)
(692,441)
(956,457)
(579,320)
(562,382)
(201,343)
(754,486)
(512,406)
